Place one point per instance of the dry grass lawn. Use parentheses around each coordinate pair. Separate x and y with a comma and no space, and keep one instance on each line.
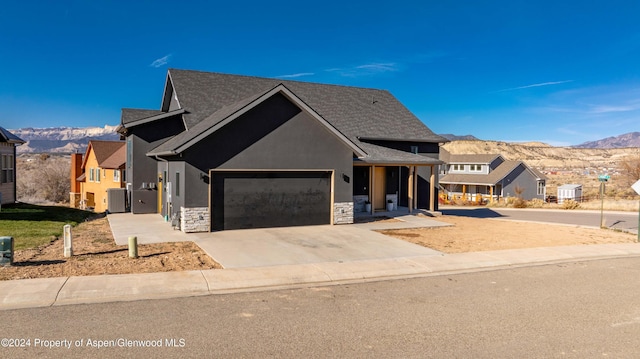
(475,235)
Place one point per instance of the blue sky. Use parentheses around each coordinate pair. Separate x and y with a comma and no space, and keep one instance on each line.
(561,72)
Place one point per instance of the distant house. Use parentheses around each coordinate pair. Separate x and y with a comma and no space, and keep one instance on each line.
(94,174)
(489,177)
(570,191)
(229,152)
(8,143)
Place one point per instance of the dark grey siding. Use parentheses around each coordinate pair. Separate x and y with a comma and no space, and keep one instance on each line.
(143,170)
(274,135)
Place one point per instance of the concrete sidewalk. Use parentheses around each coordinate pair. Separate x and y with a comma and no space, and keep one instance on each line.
(109,288)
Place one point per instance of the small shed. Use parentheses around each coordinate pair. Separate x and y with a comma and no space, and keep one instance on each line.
(570,191)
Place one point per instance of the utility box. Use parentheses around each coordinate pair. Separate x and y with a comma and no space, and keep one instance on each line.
(116,200)
(6,251)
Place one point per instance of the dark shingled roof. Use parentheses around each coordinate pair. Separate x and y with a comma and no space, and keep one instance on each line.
(133,114)
(355,112)
(6,136)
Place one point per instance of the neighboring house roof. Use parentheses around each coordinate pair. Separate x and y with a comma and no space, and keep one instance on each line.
(117,159)
(108,153)
(6,136)
(472,158)
(494,177)
(570,186)
(209,99)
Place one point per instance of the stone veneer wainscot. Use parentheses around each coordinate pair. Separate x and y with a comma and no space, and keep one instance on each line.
(343,213)
(195,219)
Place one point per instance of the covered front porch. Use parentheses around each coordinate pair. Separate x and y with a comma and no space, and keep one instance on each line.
(480,193)
(385,188)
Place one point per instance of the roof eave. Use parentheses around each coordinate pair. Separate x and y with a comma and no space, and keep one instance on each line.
(153,118)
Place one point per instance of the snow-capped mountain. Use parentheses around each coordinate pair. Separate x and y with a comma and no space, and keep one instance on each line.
(62,139)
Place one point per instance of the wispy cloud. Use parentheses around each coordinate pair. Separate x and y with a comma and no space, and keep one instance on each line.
(293,76)
(368,69)
(161,61)
(535,85)
(612,108)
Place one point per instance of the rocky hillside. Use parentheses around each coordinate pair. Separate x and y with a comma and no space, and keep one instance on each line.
(546,157)
(62,139)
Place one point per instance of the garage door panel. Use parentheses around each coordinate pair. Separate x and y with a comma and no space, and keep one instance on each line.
(271,199)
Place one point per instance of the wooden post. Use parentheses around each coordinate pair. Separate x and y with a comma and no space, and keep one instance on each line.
(491,193)
(415,187)
(410,189)
(432,189)
(372,181)
(464,192)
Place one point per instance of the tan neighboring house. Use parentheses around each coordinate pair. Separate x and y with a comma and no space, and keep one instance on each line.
(8,143)
(96,173)
(489,177)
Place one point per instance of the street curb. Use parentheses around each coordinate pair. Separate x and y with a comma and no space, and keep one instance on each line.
(46,292)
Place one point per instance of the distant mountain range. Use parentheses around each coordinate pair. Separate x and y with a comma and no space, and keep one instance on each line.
(631,139)
(72,139)
(62,139)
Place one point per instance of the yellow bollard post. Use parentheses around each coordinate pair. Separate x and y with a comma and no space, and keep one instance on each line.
(133,247)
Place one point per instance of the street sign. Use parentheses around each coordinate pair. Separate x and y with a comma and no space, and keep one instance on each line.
(603,178)
(636,187)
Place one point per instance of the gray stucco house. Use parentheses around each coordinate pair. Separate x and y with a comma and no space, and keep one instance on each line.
(8,143)
(229,151)
(489,177)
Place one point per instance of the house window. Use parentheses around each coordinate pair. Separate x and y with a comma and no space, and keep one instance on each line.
(98,175)
(7,168)
(92,175)
(540,188)
(116,175)
(177,184)
(457,167)
(475,168)
(414,149)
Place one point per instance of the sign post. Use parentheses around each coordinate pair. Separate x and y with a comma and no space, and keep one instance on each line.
(603,179)
(636,187)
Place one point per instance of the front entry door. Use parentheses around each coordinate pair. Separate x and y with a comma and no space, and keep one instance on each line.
(379,189)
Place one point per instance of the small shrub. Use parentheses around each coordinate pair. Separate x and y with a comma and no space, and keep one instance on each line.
(536,203)
(519,203)
(570,204)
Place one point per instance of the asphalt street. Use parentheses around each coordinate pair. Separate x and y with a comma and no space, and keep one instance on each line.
(576,310)
(618,220)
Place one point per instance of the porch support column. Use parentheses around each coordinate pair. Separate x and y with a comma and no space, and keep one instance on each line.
(464,192)
(432,190)
(372,183)
(491,193)
(415,187)
(410,188)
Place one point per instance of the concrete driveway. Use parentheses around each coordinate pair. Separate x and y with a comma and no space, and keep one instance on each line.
(281,246)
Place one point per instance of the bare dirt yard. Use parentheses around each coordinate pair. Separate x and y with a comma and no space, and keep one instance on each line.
(475,235)
(96,253)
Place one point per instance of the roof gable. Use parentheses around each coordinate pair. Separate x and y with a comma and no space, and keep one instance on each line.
(226,114)
(355,112)
(6,136)
(103,152)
